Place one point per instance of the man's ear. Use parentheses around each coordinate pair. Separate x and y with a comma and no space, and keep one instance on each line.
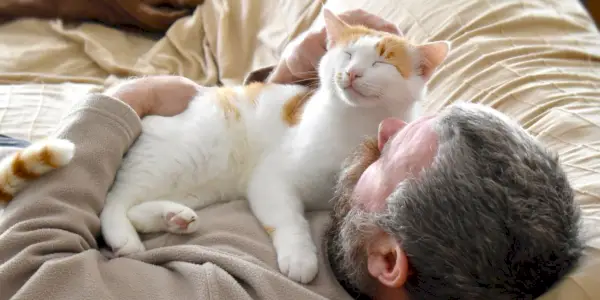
(334,26)
(387,262)
(432,55)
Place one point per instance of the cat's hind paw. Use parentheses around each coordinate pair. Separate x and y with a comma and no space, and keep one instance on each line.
(123,242)
(130,246)
(182,221)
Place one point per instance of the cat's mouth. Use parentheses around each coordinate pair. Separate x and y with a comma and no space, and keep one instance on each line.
(356,93)
(351,89)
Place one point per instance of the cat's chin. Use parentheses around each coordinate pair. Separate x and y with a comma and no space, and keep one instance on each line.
(356,99)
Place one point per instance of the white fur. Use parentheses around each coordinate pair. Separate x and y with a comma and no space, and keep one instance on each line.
(198,158)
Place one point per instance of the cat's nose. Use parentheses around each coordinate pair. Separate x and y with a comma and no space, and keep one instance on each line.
(353,74)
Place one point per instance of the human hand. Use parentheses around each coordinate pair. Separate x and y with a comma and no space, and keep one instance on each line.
(148,15)
(301,56)
(163,95)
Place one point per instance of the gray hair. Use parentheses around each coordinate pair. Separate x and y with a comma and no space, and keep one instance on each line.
(494,217)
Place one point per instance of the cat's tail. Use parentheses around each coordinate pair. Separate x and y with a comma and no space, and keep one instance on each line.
(31,162)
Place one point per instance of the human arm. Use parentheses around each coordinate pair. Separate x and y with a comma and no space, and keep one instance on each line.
(48,247)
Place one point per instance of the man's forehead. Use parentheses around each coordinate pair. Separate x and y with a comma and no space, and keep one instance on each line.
(414,140)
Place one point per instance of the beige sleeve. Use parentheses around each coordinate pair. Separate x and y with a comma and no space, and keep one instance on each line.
(48,247)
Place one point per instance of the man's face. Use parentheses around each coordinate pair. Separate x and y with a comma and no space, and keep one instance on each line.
(371,175)
(450,232)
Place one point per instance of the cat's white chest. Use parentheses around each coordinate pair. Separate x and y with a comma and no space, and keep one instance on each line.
(317,153)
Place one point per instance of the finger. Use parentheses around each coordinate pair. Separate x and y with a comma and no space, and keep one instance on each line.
(163,13)
(363,17)
(174,3)
(153,2)
(281,74)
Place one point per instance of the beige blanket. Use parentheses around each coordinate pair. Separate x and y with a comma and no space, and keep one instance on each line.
(537,60)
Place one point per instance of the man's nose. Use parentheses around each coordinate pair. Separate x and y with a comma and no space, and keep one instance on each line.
(353,74)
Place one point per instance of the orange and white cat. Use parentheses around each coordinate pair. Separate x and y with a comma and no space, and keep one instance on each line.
(280,146)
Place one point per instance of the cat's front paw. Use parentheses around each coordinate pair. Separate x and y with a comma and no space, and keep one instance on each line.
(183,221)
(298,260)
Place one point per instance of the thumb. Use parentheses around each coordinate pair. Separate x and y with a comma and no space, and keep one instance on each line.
(281,73)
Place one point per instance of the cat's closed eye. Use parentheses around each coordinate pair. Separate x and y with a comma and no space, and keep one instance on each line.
(348,54)
(380,62)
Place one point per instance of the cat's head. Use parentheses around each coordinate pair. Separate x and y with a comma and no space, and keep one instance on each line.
(367,68)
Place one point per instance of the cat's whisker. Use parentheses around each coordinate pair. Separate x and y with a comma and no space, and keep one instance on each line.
(371,88)
(307,72)
(303,79)
(376,90)
(367,84)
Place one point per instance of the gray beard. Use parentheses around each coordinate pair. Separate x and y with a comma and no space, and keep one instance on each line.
(345,241)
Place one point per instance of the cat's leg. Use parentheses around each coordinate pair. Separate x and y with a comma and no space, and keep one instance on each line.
(139,179)
(117,230)
(278,207)
(163,215)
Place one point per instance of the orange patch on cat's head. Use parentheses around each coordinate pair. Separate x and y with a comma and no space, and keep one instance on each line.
(396,51)
(352,33)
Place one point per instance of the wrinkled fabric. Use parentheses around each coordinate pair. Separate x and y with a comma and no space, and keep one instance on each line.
(538,61)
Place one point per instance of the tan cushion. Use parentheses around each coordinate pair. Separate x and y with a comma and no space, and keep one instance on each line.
(539,62)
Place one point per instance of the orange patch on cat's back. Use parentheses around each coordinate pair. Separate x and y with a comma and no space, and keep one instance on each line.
(253,91)
(291,112)
(396,52)
(226,97)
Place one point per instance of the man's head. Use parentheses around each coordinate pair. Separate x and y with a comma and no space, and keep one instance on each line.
(461,205)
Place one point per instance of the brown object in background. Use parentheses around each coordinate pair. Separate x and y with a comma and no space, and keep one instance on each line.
(593,6)
(148,15)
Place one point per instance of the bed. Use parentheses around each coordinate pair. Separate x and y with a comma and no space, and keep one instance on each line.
(537,60)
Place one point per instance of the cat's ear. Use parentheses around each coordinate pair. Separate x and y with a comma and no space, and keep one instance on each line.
(432,55)
(334,26)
